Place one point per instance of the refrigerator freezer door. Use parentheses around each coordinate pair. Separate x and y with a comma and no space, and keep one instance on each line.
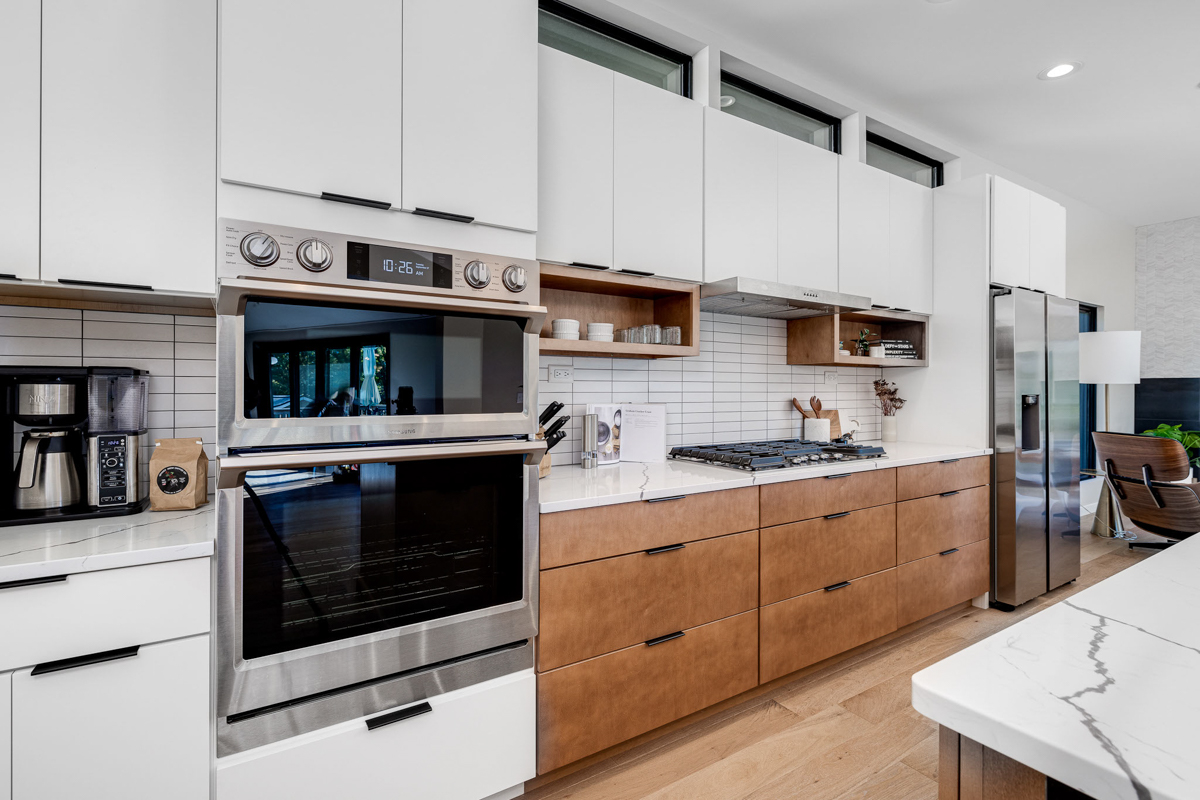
(1062,410)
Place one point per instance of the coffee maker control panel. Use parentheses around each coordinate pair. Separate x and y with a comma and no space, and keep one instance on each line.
(112,462)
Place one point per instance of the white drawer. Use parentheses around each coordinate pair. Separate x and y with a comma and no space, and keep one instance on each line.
(474,743)
(91,612)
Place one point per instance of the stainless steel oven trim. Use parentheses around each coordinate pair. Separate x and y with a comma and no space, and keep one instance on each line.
(235,431)
(248,685)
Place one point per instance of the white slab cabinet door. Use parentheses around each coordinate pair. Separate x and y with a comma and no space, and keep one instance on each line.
(575,160)
(136,728)
(808,215)
(1047,245)
(129,143)
(864,234)
(658,185)
(1010,233)
(6,736)
(741,199)
(20,65)
(470,109)
(910,246)
(311,96)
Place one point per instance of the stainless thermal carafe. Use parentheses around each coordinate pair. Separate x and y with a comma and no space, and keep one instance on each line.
(590,457)
(46,474)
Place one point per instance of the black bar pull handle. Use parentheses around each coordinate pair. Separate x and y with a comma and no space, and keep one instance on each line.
(835,516)
(8,276)
(446,215)
(398,716)
(948,552)
(661,639)
(834,477)
(902,310)
(653,551)
(141,287)
(637,272)
(667,499)
(837,586)
(382,205)
(952,460)
(33,582)
(948,494)
(585,265)
(83,661)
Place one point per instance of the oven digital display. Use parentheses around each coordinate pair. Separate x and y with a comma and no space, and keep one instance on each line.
(373,262)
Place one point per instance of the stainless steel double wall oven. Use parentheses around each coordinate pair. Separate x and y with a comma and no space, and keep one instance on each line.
(377,500)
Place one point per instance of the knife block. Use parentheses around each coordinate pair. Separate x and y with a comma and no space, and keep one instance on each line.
(544,464)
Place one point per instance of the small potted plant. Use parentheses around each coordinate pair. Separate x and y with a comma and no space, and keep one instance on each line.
(863,342)
(1189,439)
(890,402)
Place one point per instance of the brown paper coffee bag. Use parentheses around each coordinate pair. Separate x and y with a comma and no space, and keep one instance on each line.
(178,475)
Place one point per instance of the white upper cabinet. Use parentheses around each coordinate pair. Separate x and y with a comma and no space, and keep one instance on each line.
(741,198)
(864,231)
(470,108)
(325,117)
(1010,233)
(808,215)
(575,160)
(658,187)
(20,57)
(910,247)
(1047,246)
(129,143)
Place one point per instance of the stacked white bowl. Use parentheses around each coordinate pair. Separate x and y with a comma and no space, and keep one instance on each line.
(564,329)
(600,332)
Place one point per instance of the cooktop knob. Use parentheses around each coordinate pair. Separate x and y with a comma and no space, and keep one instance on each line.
(514,278)
(260,249)
(314,255)
(477,274)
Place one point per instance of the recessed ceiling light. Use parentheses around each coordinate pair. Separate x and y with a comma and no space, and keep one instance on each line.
(1059,70)
(727,100)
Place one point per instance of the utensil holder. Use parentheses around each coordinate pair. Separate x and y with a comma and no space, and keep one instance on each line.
(816,430)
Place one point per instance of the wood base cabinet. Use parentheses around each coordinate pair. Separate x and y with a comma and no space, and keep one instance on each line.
(969,771)
(932,525)
(935,583)
(586,707)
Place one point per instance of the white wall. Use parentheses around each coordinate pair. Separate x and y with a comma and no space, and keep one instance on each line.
(1168,290)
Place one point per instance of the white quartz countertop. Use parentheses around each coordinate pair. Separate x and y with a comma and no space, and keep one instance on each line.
(1099,691)
(63,548)
(567,488)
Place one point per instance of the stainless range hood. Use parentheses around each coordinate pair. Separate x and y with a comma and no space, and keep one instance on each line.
(749,297)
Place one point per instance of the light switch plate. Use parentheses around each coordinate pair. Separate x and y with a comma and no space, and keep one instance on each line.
(561,374)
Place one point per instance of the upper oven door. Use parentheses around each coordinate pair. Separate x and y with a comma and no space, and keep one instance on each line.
(308,365)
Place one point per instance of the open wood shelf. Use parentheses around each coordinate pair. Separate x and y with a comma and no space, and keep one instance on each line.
(814,340)
(624,300)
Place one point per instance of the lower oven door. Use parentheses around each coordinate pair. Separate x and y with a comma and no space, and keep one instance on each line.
(338,568)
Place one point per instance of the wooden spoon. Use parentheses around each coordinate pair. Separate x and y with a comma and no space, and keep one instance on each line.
(815,402)
(800,408)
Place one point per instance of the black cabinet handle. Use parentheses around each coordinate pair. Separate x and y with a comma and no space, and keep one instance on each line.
(398,716)
(584,265)
(952,460)
(834,477)
(948,552)
(382,205)
(661,639)
(903,310)
(637,272)
(8,276)
(653,551)
(83,661)
(141,287)
(837,586)
(429,212)
(667,499)
(948,494)
(835,516)
(33,582)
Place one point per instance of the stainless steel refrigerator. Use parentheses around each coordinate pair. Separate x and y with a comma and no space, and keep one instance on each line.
(1035,414)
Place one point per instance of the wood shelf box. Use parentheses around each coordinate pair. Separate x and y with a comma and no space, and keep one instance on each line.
(815,340)
(625,301)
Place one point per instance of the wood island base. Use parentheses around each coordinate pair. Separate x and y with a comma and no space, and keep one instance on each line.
(969,771)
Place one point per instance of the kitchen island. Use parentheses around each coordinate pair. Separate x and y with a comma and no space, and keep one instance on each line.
(1098,692)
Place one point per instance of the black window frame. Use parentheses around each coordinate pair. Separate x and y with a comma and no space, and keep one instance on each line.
(263,350)
(789,103)
(939,168)
(1089,320)
(625,36)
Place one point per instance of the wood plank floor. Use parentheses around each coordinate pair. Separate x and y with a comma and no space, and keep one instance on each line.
(846,730)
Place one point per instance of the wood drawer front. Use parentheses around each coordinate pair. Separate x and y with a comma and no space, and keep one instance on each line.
(91,612)
(586,534)
(936,583)
(809,498)
(601,606)
(586,707)
(923,480)
(930,525)
(821,624)
(805,556)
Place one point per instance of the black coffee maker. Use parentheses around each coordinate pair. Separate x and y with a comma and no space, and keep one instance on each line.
(80,432)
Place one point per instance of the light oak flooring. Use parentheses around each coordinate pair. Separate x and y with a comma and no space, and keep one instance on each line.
(845,730)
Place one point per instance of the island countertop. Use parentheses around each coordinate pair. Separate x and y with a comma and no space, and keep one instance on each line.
(1098,691)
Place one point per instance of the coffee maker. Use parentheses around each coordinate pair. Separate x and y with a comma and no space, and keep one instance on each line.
(80,430)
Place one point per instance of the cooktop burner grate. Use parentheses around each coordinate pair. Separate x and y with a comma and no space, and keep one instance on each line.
(776,453)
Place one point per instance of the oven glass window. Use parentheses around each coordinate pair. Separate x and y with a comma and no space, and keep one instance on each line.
(350,361)
(331,553)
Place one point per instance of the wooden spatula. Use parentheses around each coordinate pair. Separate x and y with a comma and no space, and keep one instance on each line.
(800,408)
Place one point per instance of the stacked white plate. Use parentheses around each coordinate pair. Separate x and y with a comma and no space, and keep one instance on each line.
(600,332)
(564,329)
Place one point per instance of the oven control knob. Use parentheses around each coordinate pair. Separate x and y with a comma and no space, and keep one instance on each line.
(477,274)
(514,278)
(260,249)
(314,255)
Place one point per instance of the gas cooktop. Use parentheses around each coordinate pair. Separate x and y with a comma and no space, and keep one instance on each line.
(776,454)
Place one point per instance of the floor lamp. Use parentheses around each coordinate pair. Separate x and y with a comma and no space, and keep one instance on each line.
(1110,357)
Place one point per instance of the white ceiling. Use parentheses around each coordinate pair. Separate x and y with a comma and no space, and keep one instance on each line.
(1122,134)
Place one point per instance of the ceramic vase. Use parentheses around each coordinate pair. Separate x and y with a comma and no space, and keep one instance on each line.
(889,429)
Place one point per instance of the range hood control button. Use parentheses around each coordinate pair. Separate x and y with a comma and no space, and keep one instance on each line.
(260,249)
(477,274)
(514,278)
(314,255)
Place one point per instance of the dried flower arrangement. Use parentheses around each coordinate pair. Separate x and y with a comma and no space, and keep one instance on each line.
(889,398)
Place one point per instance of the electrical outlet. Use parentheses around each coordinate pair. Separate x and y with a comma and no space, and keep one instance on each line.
(562,374)
(830,378)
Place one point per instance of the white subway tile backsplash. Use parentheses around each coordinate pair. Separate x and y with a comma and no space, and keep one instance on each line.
(37,346)
(124,348)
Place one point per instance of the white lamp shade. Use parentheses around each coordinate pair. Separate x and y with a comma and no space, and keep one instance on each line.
(1110,357)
